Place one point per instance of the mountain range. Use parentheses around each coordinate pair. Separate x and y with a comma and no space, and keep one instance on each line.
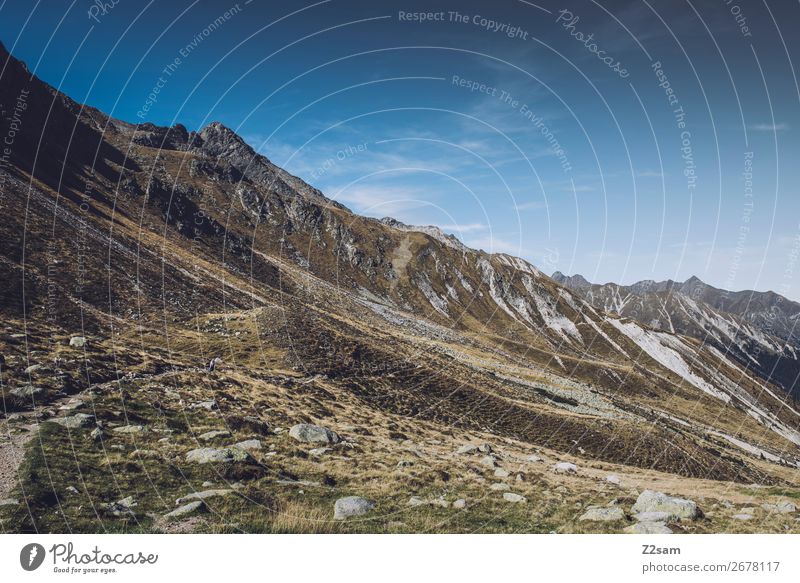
(758,330)
(355,357)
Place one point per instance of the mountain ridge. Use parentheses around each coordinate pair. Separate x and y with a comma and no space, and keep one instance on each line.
(711,314)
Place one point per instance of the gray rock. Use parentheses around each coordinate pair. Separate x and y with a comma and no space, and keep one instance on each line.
(351,506)
(565,468)
(122,507)
(612,479)
(34,368)
(26,391)
(656,516)
(211,455)
(534,458)
(499,487)
(512,497)
(416,501)
(489,461)
(249,445)
(127,502)
(97,434)
(209,435)
(784,507)
(128,429)
(459,504)
(204,494)
(74,421)
(9,502)
(500,473)
(467,449)
(743,516)
(651,501)
(77,341)
(313,434)
(187,509)
(72,405)
(319,451)
(648,528)
(603,514)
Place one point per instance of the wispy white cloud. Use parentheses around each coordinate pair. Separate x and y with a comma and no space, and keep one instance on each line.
(534,205)
(768,127)
(494,244)
(579,188)
(381,201)
(649,174)
(462,228)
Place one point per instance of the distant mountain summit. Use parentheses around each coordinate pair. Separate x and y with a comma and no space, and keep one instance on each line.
(759,329)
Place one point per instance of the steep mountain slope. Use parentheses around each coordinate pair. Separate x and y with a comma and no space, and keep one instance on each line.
(755,329)
(165,248)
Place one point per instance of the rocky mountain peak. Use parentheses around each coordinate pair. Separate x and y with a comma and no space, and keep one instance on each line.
(576,281)
(216,139)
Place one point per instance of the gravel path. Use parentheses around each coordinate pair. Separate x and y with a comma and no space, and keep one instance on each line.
(12,452)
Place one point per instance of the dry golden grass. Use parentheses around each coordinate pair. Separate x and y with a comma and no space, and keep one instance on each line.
(297,518)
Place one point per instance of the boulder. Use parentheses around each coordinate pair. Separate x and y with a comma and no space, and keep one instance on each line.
(203,495)
(460,503)
(26,391)
(209,435)
(512,497)
(489,461)
(651,501)
(648,528)
(128,429)
(211,455)
(657,516)
(249,445)
(122,507)
(565,468)
(78,341)
(74,421)
(187,509)
(351,506)
(603,514)
(784,507)
(313,434)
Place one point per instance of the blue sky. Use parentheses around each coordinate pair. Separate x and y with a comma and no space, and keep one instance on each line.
(455,121)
